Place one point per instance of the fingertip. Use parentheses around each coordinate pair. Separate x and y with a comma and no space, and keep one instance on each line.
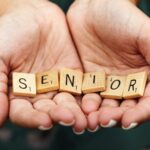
(110,124)
(80,123)
(42,128)
(68,108)
(90,102)
(129,117)
(62,115)
(42,119)
(109,116)
(89,107)
(93,122)
(77,132)
(94,130)
(131,126)
(67,124)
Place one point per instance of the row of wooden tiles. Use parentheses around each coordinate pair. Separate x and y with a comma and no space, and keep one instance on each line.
(73,81)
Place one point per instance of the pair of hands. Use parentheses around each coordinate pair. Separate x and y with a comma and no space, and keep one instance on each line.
(109,36)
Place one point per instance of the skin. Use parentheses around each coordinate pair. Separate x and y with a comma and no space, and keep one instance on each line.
(41,35)
(112,37)
(35,37)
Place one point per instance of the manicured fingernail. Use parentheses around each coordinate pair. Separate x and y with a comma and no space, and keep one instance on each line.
(78,133)
(131,126)
(96,129)
(111,123)
(66,124)
(44,128)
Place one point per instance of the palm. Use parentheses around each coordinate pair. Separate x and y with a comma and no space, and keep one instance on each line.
(40,41)
(112,41)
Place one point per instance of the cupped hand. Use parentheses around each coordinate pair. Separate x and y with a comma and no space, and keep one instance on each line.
(113,37)
(34,37)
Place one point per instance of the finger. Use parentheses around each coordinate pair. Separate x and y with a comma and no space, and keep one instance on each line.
(90,105)
(68,102)
(93,121)
(109,113)
(56,112)
(22,113)
(139,113)
(81,120)
(3,93)
(91,102)
(44,105)
(136,115)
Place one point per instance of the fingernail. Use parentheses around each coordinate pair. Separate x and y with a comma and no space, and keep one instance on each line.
(111,123)
(78,133)
(96,129)
(44,128)
(131,126)
(66,124)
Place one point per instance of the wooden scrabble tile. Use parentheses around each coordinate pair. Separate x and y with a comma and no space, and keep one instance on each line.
(47,81)
(24,84)
(135,85)
(114,88)
(71,81)
(94,82)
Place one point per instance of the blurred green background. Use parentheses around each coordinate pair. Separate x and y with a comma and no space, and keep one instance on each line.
(61,138)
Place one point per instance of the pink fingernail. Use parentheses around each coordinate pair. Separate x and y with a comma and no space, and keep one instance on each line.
(96,129)
(78,133)
(111,123)
(44,128)
(131,126)
(66,124)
